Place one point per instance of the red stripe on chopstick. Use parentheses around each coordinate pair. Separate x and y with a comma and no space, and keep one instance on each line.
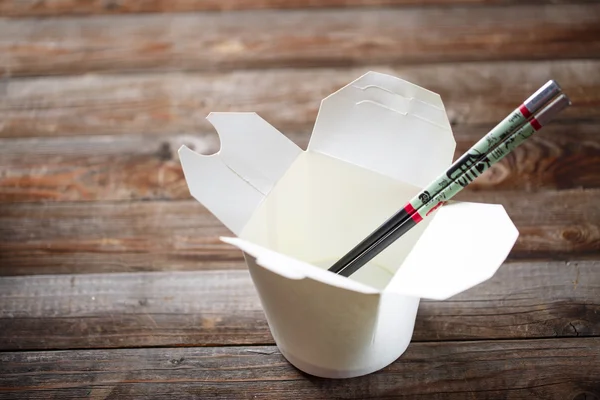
(416,217)
(524,111)
(413,213)
(409,209)
(536,124)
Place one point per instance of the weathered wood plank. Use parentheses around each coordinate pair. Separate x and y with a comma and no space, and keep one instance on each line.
(271,38)
(177,103)
(211,308)
(112,237)
(134,167)
(544,369)
(127,167)
(20,8)
(182,235)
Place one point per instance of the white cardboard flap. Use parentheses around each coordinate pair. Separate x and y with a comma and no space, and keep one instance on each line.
(233,182)
(295,269)
(380,123)
(388,125)
(464,245)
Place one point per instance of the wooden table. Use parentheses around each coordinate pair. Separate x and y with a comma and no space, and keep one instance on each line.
(114,283)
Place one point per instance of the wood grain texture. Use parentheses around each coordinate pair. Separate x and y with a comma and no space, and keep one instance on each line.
(112,237)
(266,39)
(212,308)
(93,107)
(96,168)
(21,8)
(146,167)
(533,369)
(181,235)
(177,103)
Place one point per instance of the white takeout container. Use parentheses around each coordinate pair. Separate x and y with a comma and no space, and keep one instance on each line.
(375,143)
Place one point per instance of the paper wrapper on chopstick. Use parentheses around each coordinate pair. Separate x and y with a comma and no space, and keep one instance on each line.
(375,143)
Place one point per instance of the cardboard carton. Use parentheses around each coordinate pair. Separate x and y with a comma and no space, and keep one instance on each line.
(375,143)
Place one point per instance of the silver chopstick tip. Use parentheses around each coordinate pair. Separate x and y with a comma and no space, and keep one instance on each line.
(542,96)
(563,100)
(555,85)
(553,109)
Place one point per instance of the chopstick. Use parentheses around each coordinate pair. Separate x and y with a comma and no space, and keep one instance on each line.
(472,164)
(507,126)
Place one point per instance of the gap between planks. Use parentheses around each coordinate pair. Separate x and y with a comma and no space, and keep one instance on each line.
(61,8)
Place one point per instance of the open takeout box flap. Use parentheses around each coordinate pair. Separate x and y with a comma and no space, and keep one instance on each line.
(388,125)
(464,245)
(294,269)
(234,181)
(380,123)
